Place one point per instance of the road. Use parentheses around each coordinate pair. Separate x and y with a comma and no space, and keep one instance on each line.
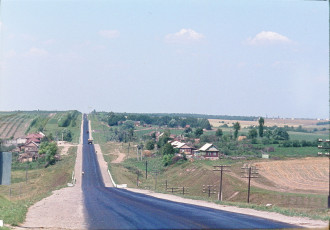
(113,208)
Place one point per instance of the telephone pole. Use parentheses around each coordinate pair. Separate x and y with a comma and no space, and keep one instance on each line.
(220,168)
(249,172)
(146,169)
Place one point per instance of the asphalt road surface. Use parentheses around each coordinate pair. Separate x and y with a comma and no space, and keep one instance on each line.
(113,208)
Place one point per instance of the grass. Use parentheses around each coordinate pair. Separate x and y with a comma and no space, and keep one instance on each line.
(52,127)
(14,204)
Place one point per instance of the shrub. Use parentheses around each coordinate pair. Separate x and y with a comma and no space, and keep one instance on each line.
(167,159)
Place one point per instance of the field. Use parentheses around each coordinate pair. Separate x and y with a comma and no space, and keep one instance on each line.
(18,124)
(298,175)
(280,122)
(14,124)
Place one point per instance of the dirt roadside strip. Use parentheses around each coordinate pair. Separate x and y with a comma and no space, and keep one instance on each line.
(64,209)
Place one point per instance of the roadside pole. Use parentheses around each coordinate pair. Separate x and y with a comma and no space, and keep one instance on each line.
(220,168)
(251,173)
(146,169)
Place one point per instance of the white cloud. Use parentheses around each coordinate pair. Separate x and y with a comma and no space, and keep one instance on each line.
(268,37)
(184,35)
(36,52)
(109,33)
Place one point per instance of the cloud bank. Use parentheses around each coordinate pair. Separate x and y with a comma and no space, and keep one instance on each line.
(268,37)
(183,36)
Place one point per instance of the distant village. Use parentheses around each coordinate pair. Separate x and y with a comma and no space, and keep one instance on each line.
(27,146)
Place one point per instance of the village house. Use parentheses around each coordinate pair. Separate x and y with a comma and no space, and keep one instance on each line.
(186,149)
(36,137)
(209,151)
(30,147)
(183,147)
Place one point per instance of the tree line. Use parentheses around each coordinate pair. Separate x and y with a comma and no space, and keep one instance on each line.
(114,119)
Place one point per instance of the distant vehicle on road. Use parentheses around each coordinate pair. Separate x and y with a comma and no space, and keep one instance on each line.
(87,131)
(90,141)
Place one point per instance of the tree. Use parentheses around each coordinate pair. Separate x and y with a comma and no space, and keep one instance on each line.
(67,135)
(128,125)
(280,134)
(164,138)
(167,159)
(188,130)
(236,128)
(219,133)
(268,134)
(252,133)
(150,145)
(198,132)
(49,150)
(167,149)
(261,126)
(172,123)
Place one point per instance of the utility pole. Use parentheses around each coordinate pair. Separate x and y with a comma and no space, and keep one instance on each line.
(155,172)
(137,152)
(249,172)
(146,169)
(128,149)
(26,173)
(325,144)
(210,189)
(220,168)
(141,150)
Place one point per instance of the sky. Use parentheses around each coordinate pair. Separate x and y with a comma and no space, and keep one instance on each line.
(248,58)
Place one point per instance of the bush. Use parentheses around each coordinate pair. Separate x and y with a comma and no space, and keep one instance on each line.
(167,159)
(265,141)
(254,141)
(167,149)
(150,145)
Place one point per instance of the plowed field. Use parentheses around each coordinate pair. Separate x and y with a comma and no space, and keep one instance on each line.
(308,174)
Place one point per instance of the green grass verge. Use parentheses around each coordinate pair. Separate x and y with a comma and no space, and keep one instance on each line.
(41,182)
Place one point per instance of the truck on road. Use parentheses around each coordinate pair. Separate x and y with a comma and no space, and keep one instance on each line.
(90,141)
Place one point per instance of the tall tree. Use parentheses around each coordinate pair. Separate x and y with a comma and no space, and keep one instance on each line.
(261,126)
(198,132)
(219,133)
(236,127)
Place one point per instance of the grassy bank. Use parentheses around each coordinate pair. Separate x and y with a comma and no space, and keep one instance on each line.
(16,198)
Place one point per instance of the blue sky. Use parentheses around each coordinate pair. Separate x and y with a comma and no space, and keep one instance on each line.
(212,57)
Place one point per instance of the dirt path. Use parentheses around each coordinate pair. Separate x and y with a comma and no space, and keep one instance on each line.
(120,158)
(66,146)
(63,209)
